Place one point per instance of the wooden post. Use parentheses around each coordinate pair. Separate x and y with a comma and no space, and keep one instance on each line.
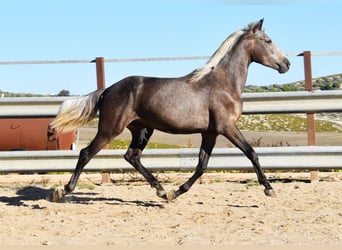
(100,73)
(309,87)
(310,116)
(101,84)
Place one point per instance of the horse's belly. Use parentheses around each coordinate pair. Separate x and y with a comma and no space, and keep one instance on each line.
(185,125)
(179,122)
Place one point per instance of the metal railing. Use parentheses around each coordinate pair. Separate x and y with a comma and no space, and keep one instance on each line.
(146,59)
(274,158)
(312,157)
(253,103)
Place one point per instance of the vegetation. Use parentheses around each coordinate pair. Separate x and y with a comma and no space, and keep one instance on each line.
(63,92)
(330,82)
(283,122)
(9,94)
(275,88)
(123,144)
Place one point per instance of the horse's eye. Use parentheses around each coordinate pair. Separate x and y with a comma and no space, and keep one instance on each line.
(268,40)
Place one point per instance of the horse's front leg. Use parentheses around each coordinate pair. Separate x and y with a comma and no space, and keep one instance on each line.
(236,137)
(207,145)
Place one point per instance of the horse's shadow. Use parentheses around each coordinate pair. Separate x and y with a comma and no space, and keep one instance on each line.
(32,193)
(29,193)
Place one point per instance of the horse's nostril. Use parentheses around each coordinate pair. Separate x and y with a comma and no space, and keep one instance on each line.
(287,62)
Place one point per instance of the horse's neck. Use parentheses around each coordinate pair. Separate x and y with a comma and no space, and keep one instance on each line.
(235,69)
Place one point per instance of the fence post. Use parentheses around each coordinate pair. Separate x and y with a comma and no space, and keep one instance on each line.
(101,84)
(100,73)
(309,87)
(310,116)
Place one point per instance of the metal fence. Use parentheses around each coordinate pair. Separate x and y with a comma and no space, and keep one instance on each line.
(253,103)
(309,102)
(275,158)
(311,157)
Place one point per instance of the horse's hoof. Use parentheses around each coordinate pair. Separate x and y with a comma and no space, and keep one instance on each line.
(57,195)
(162,194)
(270,192)
(171,195)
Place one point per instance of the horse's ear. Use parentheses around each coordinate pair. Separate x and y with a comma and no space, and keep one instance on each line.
(258,25)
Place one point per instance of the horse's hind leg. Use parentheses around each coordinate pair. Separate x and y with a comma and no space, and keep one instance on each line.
(100,140)
(207,145)
(140,137)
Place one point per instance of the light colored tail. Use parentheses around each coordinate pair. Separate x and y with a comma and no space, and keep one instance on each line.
(74,113)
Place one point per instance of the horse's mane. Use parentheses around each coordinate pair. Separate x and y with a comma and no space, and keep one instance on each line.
(224,49)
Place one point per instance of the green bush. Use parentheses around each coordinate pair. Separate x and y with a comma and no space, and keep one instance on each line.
(124,144)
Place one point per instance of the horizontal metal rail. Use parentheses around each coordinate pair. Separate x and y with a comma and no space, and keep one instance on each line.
(275,158)
(253,103)
(292,102)
(30,106)
(147,59)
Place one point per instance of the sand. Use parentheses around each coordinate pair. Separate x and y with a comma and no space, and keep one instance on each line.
(219,210)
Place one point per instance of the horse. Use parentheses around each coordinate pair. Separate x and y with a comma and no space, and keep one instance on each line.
(206,101)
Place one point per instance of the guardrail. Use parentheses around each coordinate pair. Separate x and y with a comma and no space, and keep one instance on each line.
(310,158)
(275,158)
(253,103)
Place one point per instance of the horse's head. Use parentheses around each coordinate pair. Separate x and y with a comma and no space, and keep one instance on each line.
(264,51)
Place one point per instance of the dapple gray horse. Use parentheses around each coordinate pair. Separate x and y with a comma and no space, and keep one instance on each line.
(206,101)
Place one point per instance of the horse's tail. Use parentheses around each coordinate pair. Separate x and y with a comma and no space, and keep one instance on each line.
(74,113)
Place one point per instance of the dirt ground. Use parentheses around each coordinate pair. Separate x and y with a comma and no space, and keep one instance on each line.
(219,210)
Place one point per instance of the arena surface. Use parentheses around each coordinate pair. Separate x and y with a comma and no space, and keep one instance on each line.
(220,209)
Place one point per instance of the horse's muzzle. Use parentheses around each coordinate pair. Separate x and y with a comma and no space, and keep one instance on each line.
(284,66)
